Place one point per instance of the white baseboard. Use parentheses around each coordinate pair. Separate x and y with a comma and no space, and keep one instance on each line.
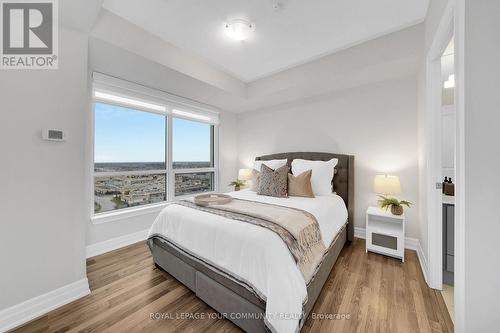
(115,243)
(423,262)
(360,232)
(35,307)
(410,243)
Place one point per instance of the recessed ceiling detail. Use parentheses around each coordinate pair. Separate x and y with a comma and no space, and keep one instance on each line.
(287,33)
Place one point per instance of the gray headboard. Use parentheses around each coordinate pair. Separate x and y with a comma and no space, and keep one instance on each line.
(343,181)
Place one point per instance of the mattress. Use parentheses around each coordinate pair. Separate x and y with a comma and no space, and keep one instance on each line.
(253,254)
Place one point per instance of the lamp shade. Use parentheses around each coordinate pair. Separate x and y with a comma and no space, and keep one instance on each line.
(245,174)
(385,184)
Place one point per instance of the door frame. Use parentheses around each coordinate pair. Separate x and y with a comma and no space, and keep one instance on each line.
(441,40)
(452,24)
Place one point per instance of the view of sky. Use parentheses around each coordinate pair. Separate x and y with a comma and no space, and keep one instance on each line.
(190,141)
(126,135)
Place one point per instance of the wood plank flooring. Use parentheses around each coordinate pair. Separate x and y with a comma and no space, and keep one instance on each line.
(373,293)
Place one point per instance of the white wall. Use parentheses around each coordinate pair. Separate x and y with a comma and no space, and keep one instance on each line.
(388,57)
(482,161)
(376,123)
(43,220)
(448,141)
(422,165)
(115,61)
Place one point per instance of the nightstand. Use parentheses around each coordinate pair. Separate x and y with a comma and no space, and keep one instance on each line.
(385,233)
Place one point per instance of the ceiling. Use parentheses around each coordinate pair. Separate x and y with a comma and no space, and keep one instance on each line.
(298,32)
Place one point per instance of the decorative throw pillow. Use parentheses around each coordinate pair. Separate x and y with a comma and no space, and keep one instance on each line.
(254,185)
(322,173)
(273,182)
(300,185)
(273,164)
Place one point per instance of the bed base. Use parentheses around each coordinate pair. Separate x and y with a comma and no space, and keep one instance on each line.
(226,295)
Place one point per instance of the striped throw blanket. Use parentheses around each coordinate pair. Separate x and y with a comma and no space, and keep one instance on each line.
(297,228)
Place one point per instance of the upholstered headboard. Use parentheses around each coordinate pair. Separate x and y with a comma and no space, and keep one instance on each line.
(343,180)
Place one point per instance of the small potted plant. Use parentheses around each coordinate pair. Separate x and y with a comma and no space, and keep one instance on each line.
(237,184)
(395,204)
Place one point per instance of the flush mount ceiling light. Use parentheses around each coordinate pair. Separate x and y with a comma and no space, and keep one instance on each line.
(239,29)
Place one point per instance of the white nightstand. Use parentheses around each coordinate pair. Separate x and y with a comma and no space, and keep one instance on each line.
(385,233)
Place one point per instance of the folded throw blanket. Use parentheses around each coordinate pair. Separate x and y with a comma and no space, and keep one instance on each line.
(297,228)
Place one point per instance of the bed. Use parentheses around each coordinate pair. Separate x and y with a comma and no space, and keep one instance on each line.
(244,271)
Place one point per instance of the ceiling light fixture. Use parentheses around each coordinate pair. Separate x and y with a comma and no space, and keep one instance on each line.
(450,83)
(239,29)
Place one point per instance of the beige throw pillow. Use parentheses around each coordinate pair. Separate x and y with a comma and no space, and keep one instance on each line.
(300,185)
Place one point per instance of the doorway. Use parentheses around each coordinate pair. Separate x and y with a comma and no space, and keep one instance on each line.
(447,141)
(451,26)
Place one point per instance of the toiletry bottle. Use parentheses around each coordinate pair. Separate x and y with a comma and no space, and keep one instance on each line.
(445,181)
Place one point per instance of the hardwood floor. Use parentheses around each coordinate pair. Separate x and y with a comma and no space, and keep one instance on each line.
(379,294)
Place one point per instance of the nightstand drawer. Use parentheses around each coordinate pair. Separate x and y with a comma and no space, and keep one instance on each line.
(386,241)
(383,243)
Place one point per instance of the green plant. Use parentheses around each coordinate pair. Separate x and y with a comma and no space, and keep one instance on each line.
(387,202)
(237,183)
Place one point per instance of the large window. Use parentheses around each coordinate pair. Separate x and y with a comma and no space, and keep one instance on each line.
(129,157)
(192,144)
(146,151)
(192,149)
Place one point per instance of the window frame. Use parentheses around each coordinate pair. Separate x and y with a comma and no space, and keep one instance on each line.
(140,93)
(173,171)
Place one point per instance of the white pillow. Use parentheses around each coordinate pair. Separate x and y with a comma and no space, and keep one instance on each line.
(273,164)
(322,173)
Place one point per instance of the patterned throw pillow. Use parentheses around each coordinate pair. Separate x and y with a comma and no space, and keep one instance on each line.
(273,182)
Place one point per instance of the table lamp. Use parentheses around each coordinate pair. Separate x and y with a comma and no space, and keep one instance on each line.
(386,185)
(245,174)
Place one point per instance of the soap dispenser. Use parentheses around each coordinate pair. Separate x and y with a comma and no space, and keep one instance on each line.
(445,181)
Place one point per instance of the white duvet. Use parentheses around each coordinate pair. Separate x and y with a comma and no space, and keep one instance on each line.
(255,254)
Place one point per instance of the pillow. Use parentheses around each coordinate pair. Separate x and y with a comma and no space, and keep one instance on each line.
(300,186)
(273,182)
(322,173)
(273,164)
(254,185)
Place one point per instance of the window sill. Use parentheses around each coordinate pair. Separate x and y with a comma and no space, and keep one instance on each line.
(127,213)
(138,211)
(192,195)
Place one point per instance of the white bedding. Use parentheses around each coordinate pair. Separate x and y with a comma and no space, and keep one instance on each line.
(253,253)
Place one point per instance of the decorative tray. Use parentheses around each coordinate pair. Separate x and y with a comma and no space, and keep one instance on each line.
(212,199)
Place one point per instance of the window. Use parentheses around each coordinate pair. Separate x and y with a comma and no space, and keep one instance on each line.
(129,158)
(133,135)
(192,144)
(123,191)
(192,149)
